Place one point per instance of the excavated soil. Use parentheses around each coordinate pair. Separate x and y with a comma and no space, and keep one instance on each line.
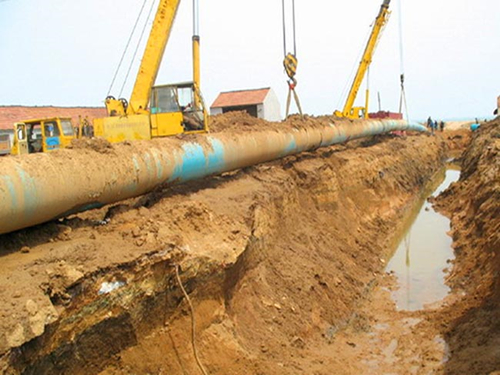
(283,263)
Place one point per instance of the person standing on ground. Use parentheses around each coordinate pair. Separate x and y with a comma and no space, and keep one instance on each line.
(429,122)
(441,125)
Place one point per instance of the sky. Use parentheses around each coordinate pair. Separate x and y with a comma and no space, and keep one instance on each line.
(66,52)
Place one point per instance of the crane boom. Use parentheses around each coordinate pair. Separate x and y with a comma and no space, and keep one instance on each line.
(349,110)
(155,47)
(157,111)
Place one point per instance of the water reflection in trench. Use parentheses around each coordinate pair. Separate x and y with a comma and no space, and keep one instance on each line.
(423,254)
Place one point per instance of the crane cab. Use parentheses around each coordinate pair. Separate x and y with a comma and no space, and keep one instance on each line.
(42,135)
(173,109)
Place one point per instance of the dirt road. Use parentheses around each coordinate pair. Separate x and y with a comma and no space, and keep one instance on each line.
(284,263)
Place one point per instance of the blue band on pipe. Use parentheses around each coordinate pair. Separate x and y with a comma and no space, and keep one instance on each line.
(12,192)
(290,148)
(197,163)
(31,200)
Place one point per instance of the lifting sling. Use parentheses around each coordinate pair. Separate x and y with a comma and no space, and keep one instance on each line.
(290,62)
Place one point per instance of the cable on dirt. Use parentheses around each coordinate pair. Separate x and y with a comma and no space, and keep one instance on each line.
(193,325)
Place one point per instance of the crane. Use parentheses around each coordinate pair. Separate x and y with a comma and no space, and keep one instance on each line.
(349,110)
(156,111)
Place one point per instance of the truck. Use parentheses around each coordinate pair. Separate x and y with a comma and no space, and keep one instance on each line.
(42,135)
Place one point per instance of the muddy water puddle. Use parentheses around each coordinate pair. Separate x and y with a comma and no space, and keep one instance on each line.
(423,254)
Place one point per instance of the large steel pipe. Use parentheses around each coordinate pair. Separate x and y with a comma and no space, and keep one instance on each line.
(41,187)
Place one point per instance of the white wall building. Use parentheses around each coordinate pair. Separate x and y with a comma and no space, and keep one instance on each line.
(262,103)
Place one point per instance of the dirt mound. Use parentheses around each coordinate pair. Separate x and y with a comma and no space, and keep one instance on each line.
(473,203)
(96,144)
(275,257)
(284,263)
(235,121)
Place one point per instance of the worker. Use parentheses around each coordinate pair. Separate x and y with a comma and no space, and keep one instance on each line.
(190,119)
(429,122)
(476,125)
(441,125)
(433,125)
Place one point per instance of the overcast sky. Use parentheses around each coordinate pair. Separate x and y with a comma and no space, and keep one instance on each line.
(65,52)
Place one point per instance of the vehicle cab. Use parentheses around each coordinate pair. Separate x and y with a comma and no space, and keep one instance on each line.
(174,111)
(42,135)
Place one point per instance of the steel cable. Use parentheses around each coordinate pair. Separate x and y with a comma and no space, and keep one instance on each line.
(126,47)
(293,28)
(137,48)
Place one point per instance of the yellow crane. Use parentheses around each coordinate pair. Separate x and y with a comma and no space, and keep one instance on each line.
(349,110)
(157,111)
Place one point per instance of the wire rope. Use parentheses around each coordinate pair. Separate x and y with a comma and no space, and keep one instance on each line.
(284,26)
(402,98)
(126,47)
(348,81)
(401,54)
(293,28)
(137,48)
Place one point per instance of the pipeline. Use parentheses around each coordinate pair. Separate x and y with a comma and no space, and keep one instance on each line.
(38,188)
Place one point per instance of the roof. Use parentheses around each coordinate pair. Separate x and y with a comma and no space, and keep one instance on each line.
(11,114)
(46,119)
(240,98)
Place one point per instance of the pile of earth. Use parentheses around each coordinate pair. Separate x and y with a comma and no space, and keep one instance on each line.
(276,259)
(472,323)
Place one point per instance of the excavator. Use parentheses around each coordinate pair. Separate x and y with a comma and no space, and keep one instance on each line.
(349,110)
(157,111)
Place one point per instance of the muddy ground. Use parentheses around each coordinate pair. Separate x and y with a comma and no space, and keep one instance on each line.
(283,262)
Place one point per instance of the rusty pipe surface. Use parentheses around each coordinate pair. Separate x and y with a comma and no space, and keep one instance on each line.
(41,187)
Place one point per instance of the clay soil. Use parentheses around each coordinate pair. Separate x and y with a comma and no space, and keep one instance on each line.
(284,264)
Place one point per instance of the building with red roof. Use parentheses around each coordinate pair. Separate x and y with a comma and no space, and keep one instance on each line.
(262,103)
(11,114)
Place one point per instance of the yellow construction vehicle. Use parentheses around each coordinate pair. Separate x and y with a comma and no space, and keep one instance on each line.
(349,110)
(157,111)
(42,135)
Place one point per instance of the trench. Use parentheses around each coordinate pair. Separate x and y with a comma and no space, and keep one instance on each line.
(263,267)
(425,251)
